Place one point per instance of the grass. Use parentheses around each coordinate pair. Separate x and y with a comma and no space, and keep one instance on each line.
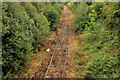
(80,58)
(33,66)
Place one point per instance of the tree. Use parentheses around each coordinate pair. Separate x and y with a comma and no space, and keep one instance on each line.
(81,17)
(52,15)
(40,24)
(17,38)
(39,6)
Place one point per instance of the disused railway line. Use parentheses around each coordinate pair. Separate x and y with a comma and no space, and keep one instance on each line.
(58,61)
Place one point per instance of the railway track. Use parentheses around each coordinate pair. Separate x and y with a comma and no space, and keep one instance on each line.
(58,62)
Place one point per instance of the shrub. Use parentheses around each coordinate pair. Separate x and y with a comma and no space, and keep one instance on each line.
(81,17)
(52,15)
(17,39)
(98,24)
(103,66)
(24,29)
(40,24)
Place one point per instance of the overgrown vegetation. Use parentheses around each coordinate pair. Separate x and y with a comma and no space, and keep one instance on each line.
(26,28)
(98,24)
(52,15)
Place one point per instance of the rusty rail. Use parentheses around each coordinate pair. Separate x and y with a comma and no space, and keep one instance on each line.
(61,42)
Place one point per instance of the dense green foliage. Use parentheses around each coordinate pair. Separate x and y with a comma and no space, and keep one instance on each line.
(25,28)
(52,11)
(98,24)
(40,24)
(17,41)
(52,15)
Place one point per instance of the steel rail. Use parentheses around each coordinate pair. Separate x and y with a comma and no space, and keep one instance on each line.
(65,33)
(50,64)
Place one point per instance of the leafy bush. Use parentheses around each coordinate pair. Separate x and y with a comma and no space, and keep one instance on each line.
(17,39)
(40,24)
(39,6)
(58,7)
(96,6)
(99,32)
(103,66)
(81,17)
(24,29)
(52,15)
